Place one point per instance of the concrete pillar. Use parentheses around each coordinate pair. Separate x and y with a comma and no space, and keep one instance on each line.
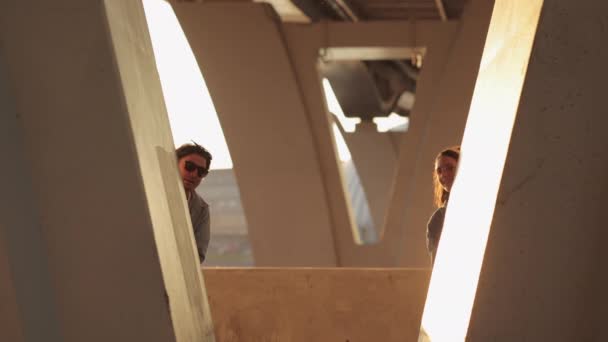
(375,157)
(91,178)
(521,256)
(304,44)
(242,56)
(28,311)
(545,269)
(442,103)
(437,41)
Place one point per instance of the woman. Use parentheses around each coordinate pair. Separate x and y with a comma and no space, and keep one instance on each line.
(443,178)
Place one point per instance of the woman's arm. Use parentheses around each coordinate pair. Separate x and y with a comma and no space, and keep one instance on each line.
(433,232)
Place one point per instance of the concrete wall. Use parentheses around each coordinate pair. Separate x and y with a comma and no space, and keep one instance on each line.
(324,304)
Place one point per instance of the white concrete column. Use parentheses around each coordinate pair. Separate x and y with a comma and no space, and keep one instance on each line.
(96,200)
(545,269)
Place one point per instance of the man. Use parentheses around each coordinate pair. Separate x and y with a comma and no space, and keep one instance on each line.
(193,162)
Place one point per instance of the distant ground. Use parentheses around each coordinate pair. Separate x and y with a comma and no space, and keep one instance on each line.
(229,250)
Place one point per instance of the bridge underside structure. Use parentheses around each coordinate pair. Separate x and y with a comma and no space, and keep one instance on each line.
(95,240)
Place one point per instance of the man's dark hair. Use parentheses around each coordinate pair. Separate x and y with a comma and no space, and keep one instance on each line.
(193,148)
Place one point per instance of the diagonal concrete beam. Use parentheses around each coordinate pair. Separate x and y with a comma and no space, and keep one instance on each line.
(444,91)
(251,80)
(534,178)
(99,174)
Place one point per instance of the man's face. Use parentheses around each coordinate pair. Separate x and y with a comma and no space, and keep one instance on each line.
(192,169)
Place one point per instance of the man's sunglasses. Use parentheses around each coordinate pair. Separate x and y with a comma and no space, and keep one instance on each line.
(190,166)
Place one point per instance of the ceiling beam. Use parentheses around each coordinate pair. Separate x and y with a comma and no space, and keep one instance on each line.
(441,10)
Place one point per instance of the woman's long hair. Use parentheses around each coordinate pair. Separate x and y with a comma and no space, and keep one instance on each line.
(441,196)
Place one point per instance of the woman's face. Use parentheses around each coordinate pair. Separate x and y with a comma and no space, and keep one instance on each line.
(445,167)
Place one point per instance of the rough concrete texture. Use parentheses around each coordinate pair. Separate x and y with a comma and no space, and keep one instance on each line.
(544,271)
(97,202)
(321,304)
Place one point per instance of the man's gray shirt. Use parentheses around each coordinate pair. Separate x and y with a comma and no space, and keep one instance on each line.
(199,214)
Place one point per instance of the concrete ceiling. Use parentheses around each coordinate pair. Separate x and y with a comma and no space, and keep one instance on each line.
(408,9)
(385,81)
(355,10)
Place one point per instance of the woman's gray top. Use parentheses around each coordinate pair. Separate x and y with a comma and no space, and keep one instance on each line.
(433,232)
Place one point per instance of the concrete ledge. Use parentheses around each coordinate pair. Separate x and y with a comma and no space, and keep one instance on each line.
(316,304)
